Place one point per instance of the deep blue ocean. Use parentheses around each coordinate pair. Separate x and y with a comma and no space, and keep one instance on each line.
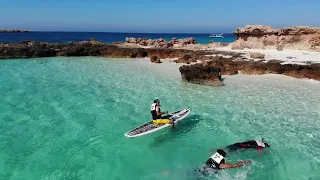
(64,37)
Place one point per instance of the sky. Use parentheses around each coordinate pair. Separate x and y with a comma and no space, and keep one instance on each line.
(162,16)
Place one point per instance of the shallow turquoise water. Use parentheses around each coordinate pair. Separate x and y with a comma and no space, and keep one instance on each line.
(65,118)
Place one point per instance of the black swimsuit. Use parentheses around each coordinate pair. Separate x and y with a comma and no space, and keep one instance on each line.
(246,145)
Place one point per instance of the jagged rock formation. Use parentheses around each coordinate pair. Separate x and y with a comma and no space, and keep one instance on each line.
(31,49)
(160,43)
(231,65)
(201,74)
(266,37)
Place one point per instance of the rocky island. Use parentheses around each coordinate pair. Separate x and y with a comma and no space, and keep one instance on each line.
(13,31)
(212,60)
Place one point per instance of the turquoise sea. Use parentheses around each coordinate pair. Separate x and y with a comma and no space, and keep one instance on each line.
(65,118)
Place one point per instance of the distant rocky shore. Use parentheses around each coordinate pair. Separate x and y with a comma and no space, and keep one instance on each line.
(13,31)
(266,37)
(249,37)
(210,63)
(174,43)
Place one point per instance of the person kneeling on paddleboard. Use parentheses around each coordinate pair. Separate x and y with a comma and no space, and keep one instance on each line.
(156,114)
(217,162)
(255,144)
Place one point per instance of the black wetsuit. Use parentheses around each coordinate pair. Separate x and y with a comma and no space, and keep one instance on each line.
(244,145)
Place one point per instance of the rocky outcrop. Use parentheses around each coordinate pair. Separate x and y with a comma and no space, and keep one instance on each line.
(256,55)
(157,43)
(266,37)
(228,65)
(31,49)
(13,31)
(28,49)
(160,43)
(254,30)
(187,43)
(185,59)
(201,74)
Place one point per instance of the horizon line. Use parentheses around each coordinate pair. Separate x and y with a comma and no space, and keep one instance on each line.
(112,32)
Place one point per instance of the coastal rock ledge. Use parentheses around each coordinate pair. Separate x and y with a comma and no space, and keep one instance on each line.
(266,37)
(230,65)
(159,43)
(201,74)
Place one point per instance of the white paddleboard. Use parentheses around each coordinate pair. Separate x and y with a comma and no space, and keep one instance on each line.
(149,127)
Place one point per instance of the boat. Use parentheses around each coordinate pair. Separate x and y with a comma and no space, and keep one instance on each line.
(217,35)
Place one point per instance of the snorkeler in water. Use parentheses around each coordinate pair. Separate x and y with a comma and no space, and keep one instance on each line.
(217,162)
(255,144)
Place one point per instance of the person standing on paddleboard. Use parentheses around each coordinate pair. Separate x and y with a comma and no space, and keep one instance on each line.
(156,114)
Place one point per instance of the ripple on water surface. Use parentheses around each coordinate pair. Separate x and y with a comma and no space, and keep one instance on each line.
(65,118)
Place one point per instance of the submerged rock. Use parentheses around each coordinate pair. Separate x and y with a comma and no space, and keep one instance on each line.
(155,59)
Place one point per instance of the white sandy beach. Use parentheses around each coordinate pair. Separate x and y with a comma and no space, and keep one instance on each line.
(287,56)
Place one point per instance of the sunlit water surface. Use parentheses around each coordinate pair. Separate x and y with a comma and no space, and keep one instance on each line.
(65,118)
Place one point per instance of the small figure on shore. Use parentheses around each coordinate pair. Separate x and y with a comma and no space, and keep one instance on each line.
(156,114)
